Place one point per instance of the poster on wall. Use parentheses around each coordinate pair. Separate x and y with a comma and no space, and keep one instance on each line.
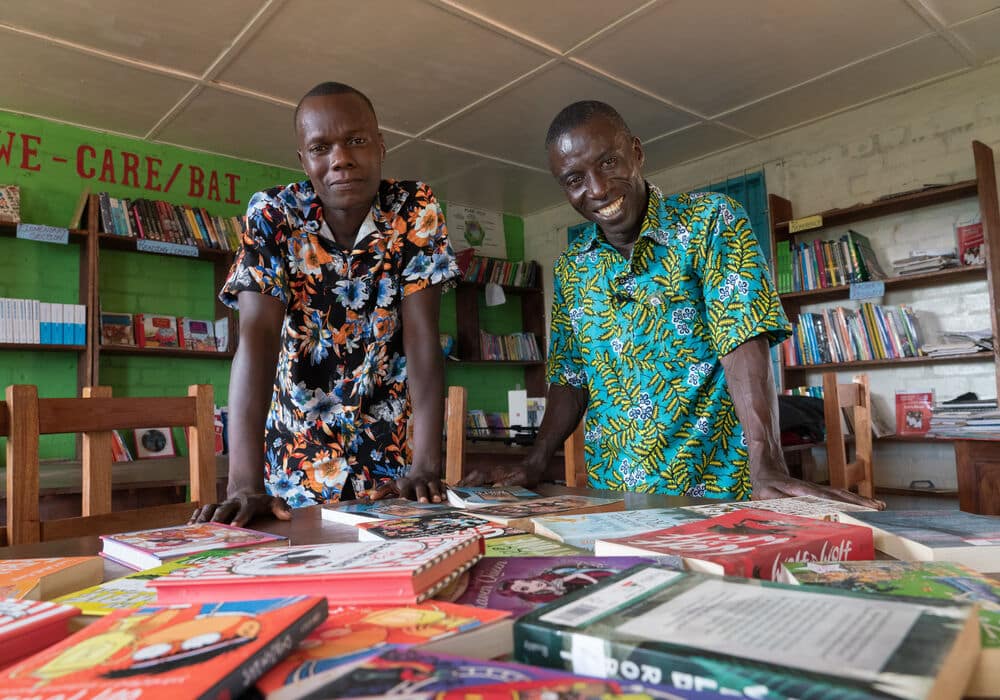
(469,227)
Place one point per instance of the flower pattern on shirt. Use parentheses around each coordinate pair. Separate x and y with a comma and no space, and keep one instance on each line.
(339,406)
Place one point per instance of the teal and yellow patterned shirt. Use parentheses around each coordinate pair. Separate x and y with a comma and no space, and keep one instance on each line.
(644,336)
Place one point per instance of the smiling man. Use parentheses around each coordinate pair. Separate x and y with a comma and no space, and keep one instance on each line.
(662,320)
(338,283)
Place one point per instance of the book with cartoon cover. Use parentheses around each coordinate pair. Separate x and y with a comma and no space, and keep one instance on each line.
(354,512)
(455,522)
(520,515)
(28,626)
(46,578)
(803,506)
(530,546)
(583,530)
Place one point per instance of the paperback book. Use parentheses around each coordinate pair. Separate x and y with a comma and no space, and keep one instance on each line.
(196,334)
(355,512)
(480,496)
(352,632)
(914,409)
(153,331)
(530,546)
(520,515)
(803,506)
(752,543)
(935,535)
(145,549)
(939,580)
(116,329)
(28,626)
(434,525)
(583,530)
(44,579)
(347,573)
(751,638)
(214,650)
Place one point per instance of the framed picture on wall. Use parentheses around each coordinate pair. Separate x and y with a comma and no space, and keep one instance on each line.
(152,443)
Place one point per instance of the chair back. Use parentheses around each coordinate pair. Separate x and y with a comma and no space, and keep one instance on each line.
(24,417)
(854,399)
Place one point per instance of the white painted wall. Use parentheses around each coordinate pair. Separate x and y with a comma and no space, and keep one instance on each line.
(904,142)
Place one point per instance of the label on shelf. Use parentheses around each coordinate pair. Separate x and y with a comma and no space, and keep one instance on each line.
(43,234)
(149,246)
(868,290)
(805,223)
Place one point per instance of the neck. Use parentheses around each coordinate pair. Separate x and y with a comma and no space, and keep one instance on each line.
(624,240)
(345,223)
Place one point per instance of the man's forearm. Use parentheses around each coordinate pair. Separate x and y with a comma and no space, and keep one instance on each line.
(425,376)
(249,399)
(565,407)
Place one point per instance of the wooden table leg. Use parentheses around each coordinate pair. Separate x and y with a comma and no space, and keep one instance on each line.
(978,465)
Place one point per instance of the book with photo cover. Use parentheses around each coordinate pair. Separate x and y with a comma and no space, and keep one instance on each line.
(454,522)
(914,408)
(28,626)
(116,329)
(354,512)
(144,549)
(153,443)
(47,578)
(971,242)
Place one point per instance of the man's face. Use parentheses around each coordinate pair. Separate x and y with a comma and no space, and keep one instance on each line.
(599,168)
(341,149)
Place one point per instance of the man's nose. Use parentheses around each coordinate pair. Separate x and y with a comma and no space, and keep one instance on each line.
(597,187)
(340,157)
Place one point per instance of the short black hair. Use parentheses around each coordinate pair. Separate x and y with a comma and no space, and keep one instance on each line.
(333,88)
(578,114)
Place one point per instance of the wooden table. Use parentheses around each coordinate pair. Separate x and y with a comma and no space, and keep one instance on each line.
(977,463)
(308,527)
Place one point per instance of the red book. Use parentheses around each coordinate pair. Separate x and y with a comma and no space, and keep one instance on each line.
(347,573)
(971,248)
(747,543)
(913,411)
(28,626)
(216,650)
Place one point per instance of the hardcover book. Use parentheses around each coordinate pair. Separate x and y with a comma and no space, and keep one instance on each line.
(479,496)
(347,573)
(195,334)
(920,580)
(352,632)
(751,638)
(145,549)
(530,546)
(935,535)
(153,331)
(519,515)
(215,650)
(43,579)
(28,626)
(434,525)
(354,512)
(752,543)
(116,329)
(803,506)
(582,530)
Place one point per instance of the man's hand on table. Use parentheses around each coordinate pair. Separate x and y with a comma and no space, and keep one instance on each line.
(240,509)
(778,484)
(419,484)
(517,475)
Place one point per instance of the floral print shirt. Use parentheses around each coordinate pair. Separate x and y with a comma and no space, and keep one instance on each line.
(644,335)
(339,407)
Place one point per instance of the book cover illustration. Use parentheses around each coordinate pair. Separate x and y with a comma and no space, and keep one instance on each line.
(352,513)
(913,412)
(520,514)
(477,496)
(204,651)
(970,239)
(351,632)
(197,334)
(582,530)
(530,546)
(28,626)
(804,506)
(752,638)
(751,543)
(153,331)
(10,204)
(521,584)
(434,525)
(116,329)
(41,579)
(171,542)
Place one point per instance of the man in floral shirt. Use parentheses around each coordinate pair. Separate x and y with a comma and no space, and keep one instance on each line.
(662,318)
(338,283)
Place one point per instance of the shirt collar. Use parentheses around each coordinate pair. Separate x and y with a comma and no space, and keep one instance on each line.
(652,223)
(385,207)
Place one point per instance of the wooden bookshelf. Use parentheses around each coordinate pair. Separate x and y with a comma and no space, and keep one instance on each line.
(951,275)
(923,360)
(109,241)
(43,347)
(517,363)
(166,352)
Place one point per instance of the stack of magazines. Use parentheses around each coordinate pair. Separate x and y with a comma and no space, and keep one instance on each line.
(966,416)
(961,343)
(929,260)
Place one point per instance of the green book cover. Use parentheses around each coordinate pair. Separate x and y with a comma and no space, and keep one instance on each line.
(530,546)
(752,638)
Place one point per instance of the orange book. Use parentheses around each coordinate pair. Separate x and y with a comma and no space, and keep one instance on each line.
(42,579)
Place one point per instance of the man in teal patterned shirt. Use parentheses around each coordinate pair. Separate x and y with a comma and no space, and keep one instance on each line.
(662,322)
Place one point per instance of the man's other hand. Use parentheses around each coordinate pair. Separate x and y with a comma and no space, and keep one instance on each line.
(517,475)
(241,509)
(423,485)
(778,485)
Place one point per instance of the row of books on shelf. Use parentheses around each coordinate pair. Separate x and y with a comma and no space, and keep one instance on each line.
(489,424)
(42,322)
(871,332)
(525,273)
(515,346)
(173,223)
(589,600)
(161,331)
(822,264)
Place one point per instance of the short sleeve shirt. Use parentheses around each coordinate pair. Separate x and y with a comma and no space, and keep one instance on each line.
(644,335)
(339,406)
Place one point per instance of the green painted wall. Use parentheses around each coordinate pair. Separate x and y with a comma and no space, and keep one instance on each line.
(53,162)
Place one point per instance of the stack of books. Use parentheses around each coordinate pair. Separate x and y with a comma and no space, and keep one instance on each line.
(965,417)
(928,260)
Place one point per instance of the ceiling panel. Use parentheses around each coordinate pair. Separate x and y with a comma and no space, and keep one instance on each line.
(419,160)
(713,61)
(689,144)
(48,80)
(513,125)
(983,35)
(952,11)
(922,60)
(182,34)
(501,187)
(559,26)
(416,62)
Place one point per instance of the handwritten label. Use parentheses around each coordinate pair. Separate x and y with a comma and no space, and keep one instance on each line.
(43,234)
(867,290)
(148,246)
(805,223)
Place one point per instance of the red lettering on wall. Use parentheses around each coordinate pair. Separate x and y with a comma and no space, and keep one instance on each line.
(197,186)
(6,149)
(130,169)
(82,169)
(233,179)
(213,187)
(27,152)
(108,167)
(153,173)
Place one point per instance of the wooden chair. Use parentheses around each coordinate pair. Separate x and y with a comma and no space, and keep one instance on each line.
(455,410)
(24,417)
(855,400)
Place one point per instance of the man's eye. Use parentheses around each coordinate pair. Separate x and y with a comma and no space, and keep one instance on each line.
(318,148)
(574,182)
(358,141)
(610,162)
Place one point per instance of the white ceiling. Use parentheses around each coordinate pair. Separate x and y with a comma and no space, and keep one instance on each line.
(465,89)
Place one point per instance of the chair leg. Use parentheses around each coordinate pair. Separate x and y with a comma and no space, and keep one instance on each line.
(455,410)
(22,465)
(96,462)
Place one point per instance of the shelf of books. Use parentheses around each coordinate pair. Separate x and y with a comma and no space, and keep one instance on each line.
(948,275)
(142,245)
(42,347)
(888,362)
(167,352)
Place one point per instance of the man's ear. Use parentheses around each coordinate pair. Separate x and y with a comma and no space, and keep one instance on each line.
(381,145)
(640,156)
(299,154)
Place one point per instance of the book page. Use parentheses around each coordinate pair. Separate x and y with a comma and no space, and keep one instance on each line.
(809,631)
